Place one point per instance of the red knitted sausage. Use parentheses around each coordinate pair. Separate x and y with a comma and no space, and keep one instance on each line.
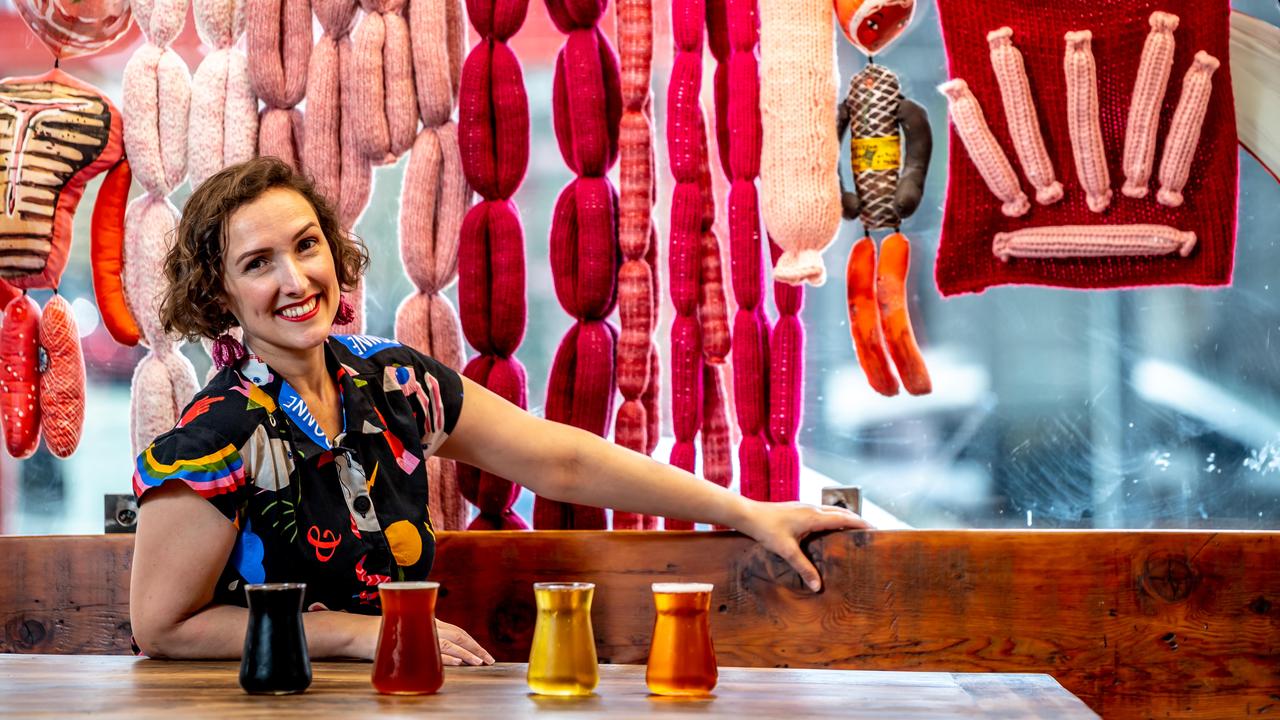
(19,376)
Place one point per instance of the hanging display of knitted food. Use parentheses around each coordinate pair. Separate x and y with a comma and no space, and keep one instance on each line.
(278,43)
(223,126)
(888,185)
(493,139)
(432,204)
(381,83)
(1106,110)
(799,181)
(157,97)
(61,133)
(587,109)
(637,237)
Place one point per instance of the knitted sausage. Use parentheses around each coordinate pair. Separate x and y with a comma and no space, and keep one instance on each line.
(61,378)
(106,250)
(19,376)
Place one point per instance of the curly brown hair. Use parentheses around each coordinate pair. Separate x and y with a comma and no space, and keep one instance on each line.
(193,266)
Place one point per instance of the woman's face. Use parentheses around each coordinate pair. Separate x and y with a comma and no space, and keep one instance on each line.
(278,274)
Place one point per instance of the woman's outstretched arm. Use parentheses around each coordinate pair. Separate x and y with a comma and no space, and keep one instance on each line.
(564,463)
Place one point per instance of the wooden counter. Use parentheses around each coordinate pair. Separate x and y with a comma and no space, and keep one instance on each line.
(106,686)
(1135,623)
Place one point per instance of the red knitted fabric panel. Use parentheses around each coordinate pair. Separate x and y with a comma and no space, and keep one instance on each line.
(972,218)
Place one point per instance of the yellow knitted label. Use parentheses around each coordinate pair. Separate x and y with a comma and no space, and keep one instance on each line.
(876,153)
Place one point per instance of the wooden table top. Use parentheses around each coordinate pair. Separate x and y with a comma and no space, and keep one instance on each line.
(116,686)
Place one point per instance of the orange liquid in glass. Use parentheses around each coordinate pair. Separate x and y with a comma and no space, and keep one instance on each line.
(682,660)
(408,660)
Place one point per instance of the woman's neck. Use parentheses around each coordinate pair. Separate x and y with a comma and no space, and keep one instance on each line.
(306,371)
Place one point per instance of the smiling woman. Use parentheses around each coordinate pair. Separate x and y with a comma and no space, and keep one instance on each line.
(303,459)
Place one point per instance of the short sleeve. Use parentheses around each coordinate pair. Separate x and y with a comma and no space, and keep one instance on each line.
(441,398)
(199,457)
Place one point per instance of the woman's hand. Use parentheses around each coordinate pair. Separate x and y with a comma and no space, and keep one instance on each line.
(780,527)
(458,648)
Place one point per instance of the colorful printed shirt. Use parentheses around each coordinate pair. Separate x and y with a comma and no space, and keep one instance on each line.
(341,514)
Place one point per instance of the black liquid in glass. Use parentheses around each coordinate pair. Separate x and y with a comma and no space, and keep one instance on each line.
(275,660)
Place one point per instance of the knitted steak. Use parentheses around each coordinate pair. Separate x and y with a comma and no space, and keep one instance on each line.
(1089,104)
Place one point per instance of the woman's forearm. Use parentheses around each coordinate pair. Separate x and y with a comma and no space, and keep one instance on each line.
(217,633)
(600,473)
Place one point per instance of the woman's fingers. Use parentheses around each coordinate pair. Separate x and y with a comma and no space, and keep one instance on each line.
(450,649)
(464,646)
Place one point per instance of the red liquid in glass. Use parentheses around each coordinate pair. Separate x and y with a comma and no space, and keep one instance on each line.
(408,660)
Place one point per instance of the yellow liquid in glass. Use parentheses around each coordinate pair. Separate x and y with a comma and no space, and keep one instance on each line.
(562,660)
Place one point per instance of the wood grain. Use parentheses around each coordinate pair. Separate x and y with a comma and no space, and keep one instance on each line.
(104,687)
(1138,624)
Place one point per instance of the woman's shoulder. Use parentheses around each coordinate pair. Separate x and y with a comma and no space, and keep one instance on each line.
(203,448)
(229,406)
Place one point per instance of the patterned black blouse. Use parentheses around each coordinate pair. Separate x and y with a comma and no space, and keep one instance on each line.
(341,514)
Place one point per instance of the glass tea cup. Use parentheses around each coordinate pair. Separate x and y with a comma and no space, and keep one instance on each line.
(275,659)
(562,660)
(682,660)
(408,660)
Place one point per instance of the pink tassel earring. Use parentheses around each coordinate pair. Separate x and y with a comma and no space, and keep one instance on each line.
(227,351)
(346,312)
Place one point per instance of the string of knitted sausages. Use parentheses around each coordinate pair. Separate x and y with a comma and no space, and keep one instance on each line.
(432,204)
(157,99)
(493,138)
(686,138)
(786,388)
(381,83)
(739,133)
(637,277)
(717,462)
(278,41)
(587,109)
(223,123)
(222,128)
(341,173)
(330,153)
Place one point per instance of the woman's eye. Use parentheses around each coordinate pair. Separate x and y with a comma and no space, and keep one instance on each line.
(254,264)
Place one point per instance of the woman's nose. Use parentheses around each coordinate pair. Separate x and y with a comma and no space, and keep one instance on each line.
(292,280)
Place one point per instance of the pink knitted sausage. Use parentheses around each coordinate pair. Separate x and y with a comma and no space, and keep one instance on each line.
(801,191)
(278,44)
(971,125)
(1184,131)
(1068,241)
(1144,105)
(1020,114)
(1082,120)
